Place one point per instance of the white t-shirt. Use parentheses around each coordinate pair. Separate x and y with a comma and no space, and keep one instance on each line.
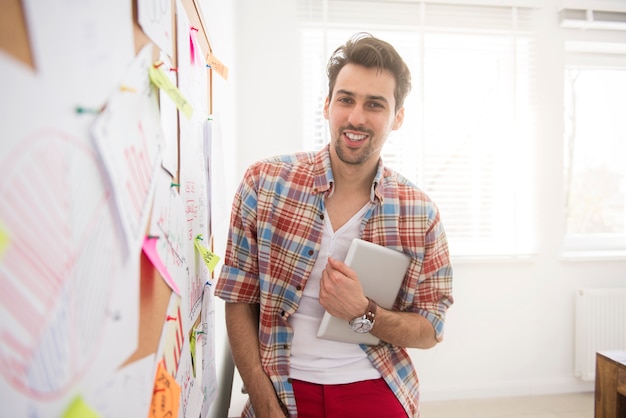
(314,359)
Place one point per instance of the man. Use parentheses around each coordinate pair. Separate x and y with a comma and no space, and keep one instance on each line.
(293,219)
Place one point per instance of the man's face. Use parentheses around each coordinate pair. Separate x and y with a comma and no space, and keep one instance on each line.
(361,113)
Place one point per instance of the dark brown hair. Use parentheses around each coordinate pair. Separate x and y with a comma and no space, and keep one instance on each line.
(370,52)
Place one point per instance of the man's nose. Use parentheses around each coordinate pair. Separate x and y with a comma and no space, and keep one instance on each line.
(357,116)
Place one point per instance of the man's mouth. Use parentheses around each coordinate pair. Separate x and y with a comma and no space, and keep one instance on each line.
(355,137)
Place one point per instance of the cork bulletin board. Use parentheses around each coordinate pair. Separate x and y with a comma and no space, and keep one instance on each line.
(106,265)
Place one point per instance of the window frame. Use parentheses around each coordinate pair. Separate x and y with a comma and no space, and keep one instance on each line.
(595,50)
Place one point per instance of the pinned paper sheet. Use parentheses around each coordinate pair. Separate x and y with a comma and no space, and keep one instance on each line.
(79,409)
(149,248)
(172,336)
(162,81)
(165,396)
(210,259)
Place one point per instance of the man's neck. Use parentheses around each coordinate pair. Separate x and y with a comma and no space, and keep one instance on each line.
(353,179)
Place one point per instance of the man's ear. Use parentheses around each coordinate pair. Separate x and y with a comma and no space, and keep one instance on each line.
(397,123)
(326,104)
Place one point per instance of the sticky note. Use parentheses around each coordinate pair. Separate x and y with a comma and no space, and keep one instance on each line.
(210,259)
(4,241)
(162,81)
(192,349)
(217,66)
(165,395)
(79,409)
(150,249)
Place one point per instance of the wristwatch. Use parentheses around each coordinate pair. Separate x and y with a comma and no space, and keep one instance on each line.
(363,324)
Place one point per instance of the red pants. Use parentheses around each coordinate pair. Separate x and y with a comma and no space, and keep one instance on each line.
(369,398)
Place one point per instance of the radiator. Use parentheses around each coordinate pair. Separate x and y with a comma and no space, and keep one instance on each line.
(600,325)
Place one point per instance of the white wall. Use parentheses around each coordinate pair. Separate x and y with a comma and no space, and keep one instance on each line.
(268,62)
(511,329)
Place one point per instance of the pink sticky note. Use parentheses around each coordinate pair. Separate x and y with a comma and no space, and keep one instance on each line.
(149,248)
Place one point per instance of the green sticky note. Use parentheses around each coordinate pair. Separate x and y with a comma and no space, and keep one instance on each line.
(210,259)
(162,81)
(79,409)
(192,349)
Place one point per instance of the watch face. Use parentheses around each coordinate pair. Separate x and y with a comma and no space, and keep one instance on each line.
(361,325)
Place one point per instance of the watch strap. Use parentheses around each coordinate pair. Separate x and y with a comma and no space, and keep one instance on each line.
(370,314)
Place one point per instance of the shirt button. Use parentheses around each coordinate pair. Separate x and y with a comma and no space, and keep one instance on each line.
(311,252)
(321,216)
(282,313)
(298,287)
(286,346)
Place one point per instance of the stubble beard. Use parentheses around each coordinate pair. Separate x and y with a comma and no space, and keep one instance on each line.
(354,158)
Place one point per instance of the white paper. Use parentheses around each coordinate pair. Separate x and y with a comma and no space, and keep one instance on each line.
(125,393)
(68,294)
(82,46)
(209,373)
(192,82)
(169,122)
(172,336)
(191,388)
(155,18)
(208,155)
(128,137)
(169,225)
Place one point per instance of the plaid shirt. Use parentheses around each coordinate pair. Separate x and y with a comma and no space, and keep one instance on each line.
(274,240)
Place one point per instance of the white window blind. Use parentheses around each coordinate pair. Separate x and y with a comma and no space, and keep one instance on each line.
(469,130)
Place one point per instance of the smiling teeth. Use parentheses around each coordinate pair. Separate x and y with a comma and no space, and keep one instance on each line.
(356,137)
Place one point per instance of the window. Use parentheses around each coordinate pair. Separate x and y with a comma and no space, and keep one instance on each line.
(595,146)
(468,132)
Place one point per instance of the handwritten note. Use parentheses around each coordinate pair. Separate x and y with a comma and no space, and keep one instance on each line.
(155,18)
(128,137)
(166,395)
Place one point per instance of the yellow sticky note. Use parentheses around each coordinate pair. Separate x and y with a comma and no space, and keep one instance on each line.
(162,81)
(79,409)
(4,241)
(192,348)
(210,259)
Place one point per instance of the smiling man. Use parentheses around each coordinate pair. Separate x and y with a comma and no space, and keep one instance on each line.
(293,219)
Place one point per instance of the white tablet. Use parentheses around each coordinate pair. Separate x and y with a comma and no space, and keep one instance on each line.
(381,271)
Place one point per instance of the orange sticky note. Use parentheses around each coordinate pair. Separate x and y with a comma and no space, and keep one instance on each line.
(217,65)
(165,395)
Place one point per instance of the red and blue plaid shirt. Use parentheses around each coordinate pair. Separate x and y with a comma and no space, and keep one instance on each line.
(274,240)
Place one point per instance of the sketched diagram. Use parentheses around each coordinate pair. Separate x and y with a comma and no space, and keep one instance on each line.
(59,265)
